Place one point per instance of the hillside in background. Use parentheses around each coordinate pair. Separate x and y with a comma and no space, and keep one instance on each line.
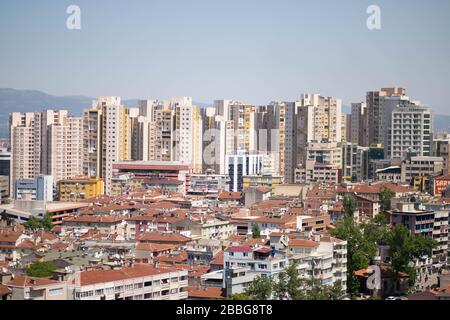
(12,100)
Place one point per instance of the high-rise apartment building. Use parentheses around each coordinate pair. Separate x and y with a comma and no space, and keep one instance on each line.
(319,119)
(358,131)
(376,113)
(187,132)
(106,138)
(278,138)
(410,130)
(47,142)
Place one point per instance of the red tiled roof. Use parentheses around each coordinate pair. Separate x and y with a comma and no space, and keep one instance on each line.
(25,281)
(162,237)
(238,249)
(26,244)
(94,219)
(218,259)
(155,247)
(9,236)
(102,276)
(206,292)
(302,243)
(230,195)
(4,290)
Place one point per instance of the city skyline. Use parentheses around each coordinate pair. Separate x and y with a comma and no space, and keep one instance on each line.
(250,52)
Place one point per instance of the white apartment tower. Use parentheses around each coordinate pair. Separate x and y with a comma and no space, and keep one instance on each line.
(411,130)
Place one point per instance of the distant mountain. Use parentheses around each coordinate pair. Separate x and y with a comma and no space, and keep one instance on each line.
(12,100)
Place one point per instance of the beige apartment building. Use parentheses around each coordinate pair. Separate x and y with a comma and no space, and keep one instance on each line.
(106,137)
(47,142)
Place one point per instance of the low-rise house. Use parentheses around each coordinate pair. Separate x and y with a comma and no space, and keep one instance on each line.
(146,252)
(30,288)
(111,225)
(164,238)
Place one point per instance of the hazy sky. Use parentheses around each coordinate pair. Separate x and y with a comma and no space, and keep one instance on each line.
(252,50)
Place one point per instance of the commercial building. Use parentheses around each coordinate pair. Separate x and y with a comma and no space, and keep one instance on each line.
(40,188)
(142,170)
(417,166)
(240,165)
(208,184)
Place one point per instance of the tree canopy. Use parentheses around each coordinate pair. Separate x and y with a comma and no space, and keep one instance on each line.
(289,285)
(41,269)
(404,248)
(45,223)
(385,199)
(256,231)
(349,204)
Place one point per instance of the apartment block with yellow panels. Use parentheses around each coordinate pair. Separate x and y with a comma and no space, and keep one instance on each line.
(77,189)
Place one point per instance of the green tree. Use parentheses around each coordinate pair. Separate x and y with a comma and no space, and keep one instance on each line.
(336,292)
(6,218)
(385,199)
(33,224)
(376,229)
(360,250)
(47,222)
(240,296)
(349,204)
(289,284)
(256,231)
(260,288)
(41,269)
(404,248)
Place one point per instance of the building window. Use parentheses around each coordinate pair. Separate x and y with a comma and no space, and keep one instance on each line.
(55,292)
(148,284)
